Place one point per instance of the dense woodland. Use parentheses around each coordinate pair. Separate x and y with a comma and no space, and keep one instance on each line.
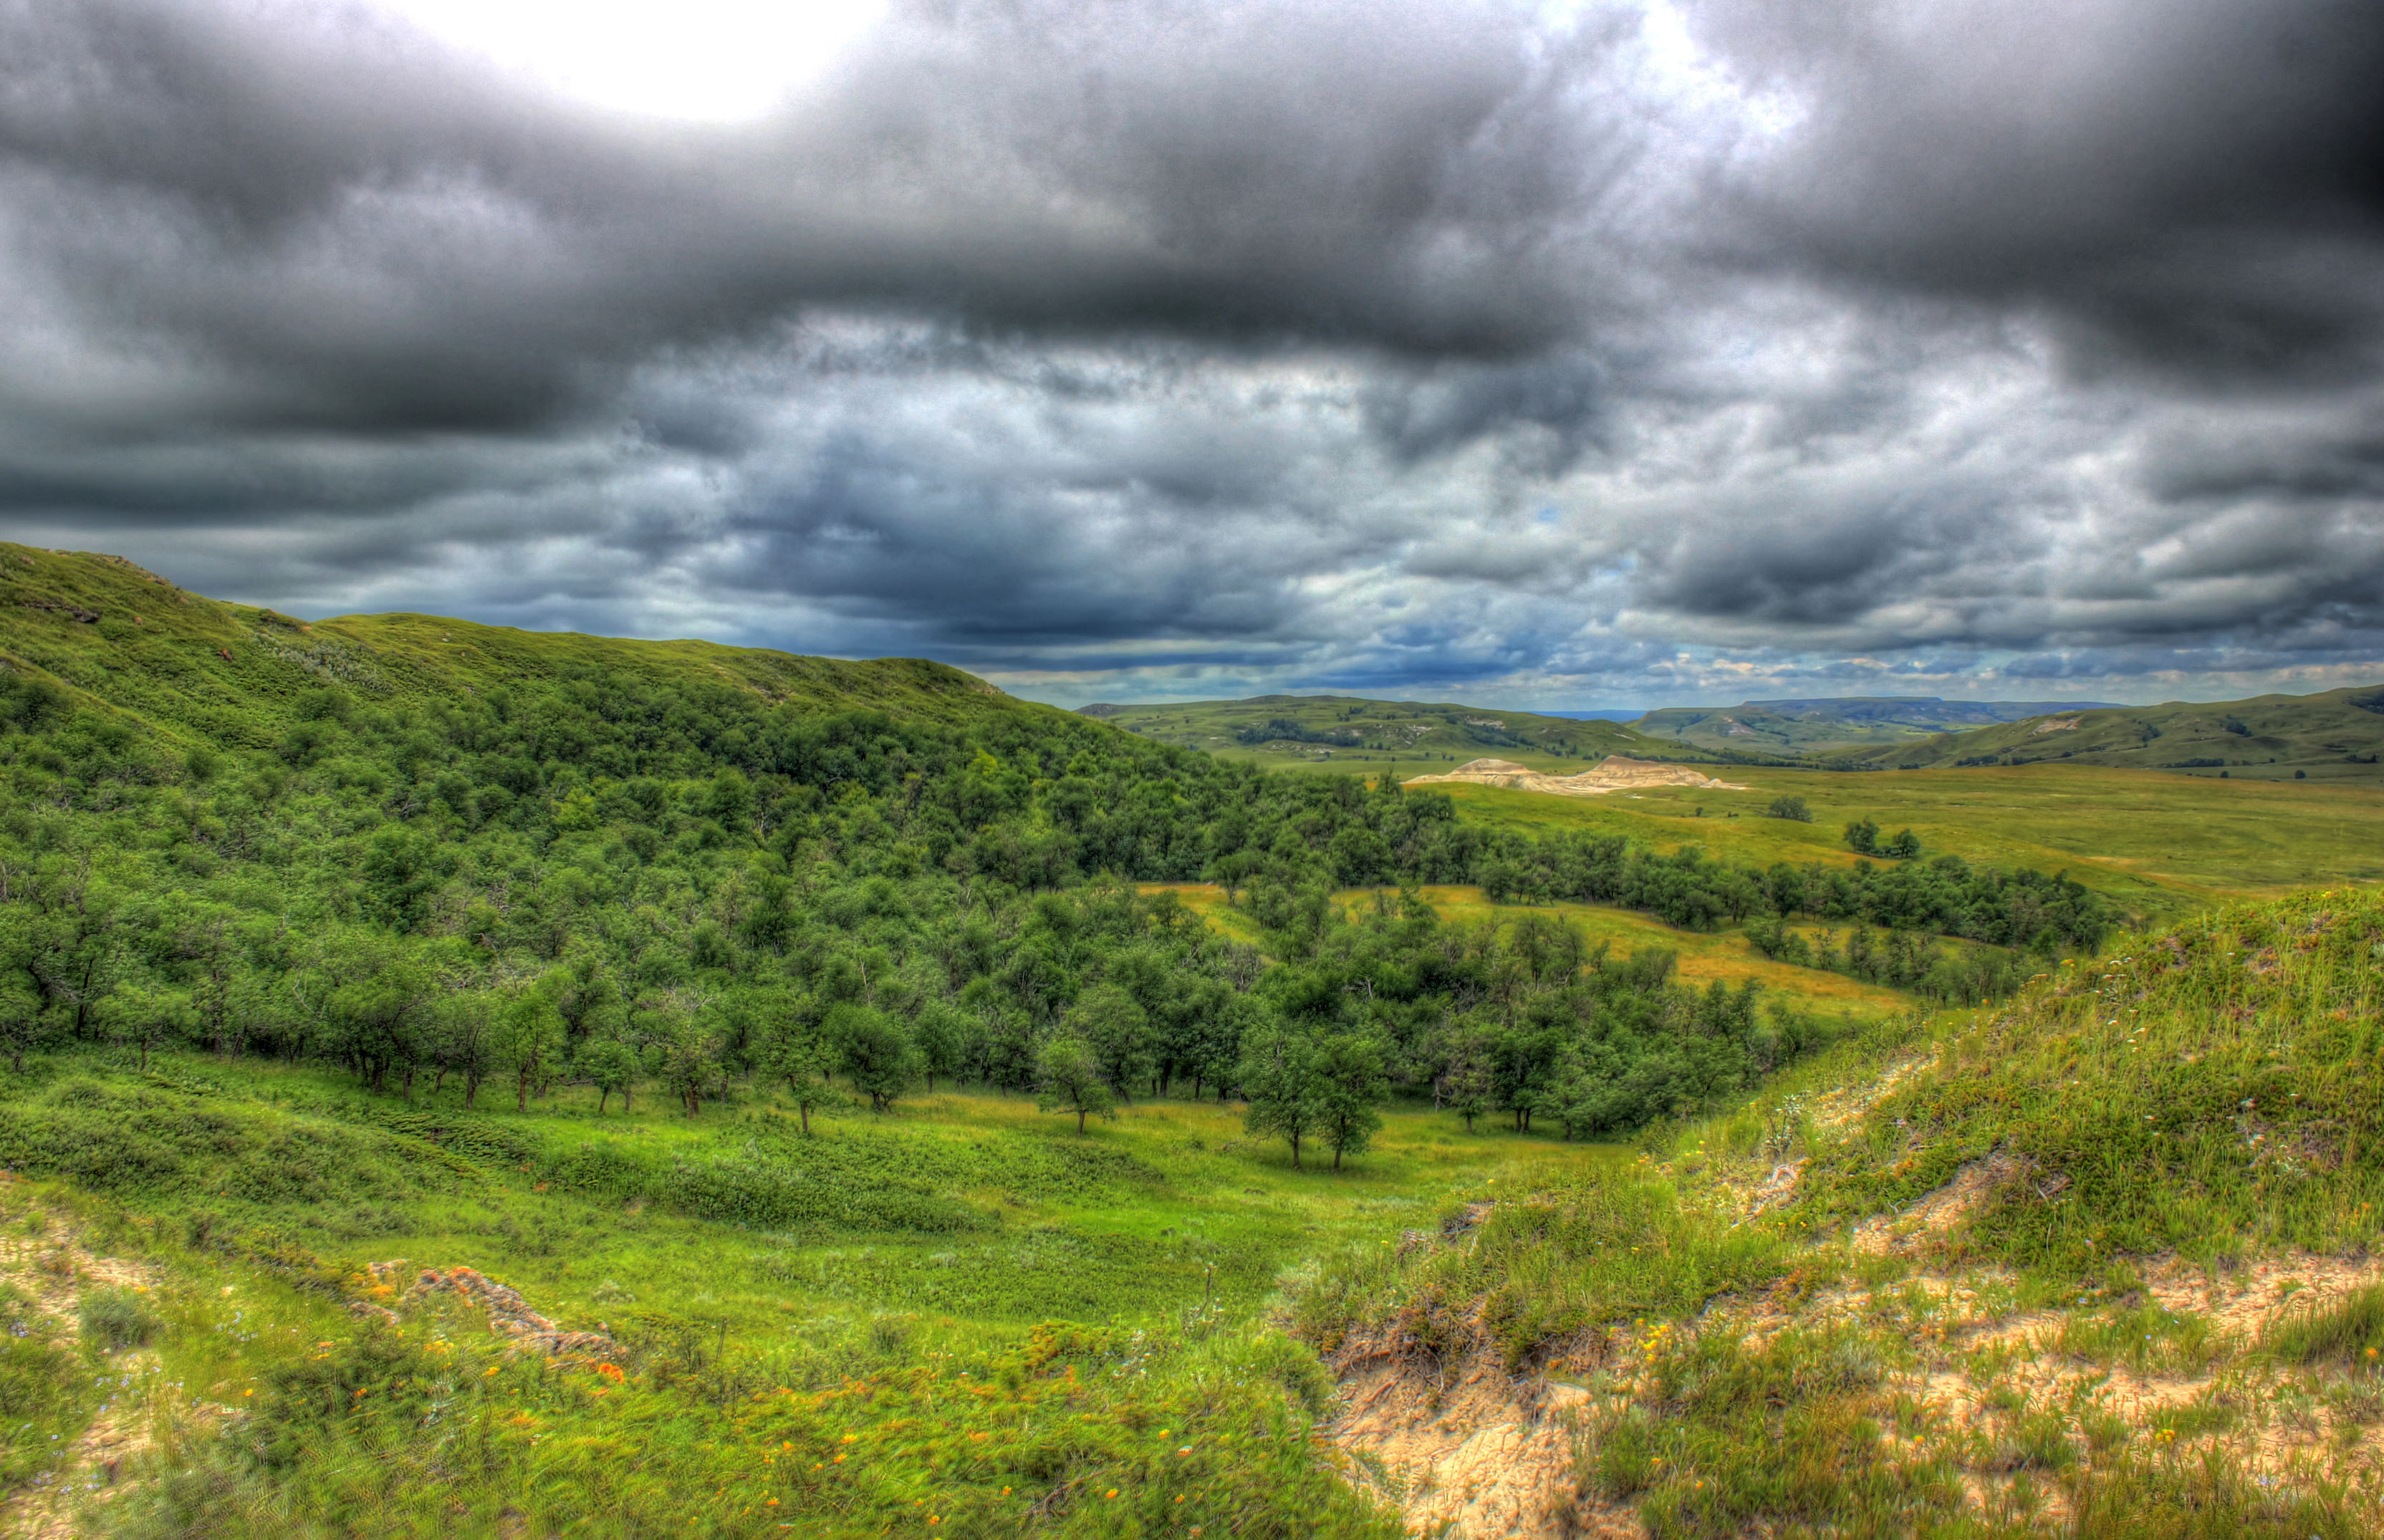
(650,888)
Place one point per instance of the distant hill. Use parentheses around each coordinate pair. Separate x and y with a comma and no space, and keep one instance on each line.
(1352,731)
(1830,726)
(2335,736)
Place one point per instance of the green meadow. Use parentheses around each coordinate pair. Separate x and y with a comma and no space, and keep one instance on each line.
(2157,843)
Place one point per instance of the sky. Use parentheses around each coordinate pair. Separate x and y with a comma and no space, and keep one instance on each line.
(1562,356)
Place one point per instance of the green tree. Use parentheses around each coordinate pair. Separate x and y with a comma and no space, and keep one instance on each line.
(1862,836)
(1350,1088)
(144,1013)
(528,1034)
(1118,1033)
(1068,1079)
(609,1065)
(1279,1077)
(1790,808)
(877,1051)
(798,1052)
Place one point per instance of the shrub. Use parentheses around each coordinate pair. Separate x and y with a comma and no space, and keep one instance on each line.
(1792,808)
(115,1319)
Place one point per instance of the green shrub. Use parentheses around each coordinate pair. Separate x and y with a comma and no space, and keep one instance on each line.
(115,1319)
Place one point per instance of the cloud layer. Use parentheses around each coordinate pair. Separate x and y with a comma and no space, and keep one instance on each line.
(1632,352)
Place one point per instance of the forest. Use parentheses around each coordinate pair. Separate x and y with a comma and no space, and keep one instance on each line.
(586,876)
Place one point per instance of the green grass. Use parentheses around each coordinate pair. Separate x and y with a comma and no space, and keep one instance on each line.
(974,1296)
(2160,845)
(1705,957)
(2199,1096)
(238,675)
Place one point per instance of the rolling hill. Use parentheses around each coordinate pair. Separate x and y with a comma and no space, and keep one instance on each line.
(1820,726)
(1365,735)
(2335,736)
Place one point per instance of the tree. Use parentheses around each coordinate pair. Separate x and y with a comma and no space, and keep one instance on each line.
(1068,1079)
(1862,836)
(1792,808)
(609,1065)
(145,1014)
(1118,1034)
(1470,1086)
(1280,1079)
(1349,1086)
(467,1038)
(877,1050)
(943,1031)
(1905,846)
(528,1032)
(20,1020)
(797,1051)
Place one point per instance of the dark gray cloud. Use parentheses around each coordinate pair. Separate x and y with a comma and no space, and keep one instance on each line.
(1630,352)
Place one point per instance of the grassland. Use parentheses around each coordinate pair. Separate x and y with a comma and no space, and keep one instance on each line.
(2158,843)
(877,1302)
(1704,957)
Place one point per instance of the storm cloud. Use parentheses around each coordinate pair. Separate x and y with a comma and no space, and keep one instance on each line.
(1603,354)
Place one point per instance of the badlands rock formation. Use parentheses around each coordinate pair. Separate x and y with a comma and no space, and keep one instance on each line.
(1612,774)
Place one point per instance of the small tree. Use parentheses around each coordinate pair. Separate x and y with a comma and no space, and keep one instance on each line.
(1349,1085)
(1862,836)
(609,1065)
(529,1032)
(1905,846)
(1792,808)
(877,1050)
(142,1014)
(1117,1032)
(803,1056)
(1279,1077)
(1068,1079)
(20,1021)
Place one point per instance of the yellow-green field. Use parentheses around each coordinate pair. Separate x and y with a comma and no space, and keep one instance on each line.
(1704,957)
(2158,843)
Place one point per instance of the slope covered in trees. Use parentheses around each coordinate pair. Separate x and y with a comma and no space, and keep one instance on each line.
(423,848)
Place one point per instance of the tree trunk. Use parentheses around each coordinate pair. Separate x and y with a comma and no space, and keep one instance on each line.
(1337,1157)
(144,1056)
(521,1093)
(1080,1119)
(806,1109)
(603,1095)
(1295,1152)
(471,1089)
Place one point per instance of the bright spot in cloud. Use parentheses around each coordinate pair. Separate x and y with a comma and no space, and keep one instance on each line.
(701,61)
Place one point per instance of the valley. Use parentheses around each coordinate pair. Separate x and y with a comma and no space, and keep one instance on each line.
(465,1081)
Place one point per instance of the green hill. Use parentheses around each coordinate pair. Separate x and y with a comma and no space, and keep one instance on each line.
(2104,1261)
(2337,735)
(1408,738)
(1821,727)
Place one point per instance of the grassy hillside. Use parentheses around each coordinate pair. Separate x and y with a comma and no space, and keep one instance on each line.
(1400,737)
(234,676)
(2101,1263)
(2337,735)
(1797,727)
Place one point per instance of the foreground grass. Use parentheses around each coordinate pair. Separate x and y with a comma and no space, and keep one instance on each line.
(963,1313)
